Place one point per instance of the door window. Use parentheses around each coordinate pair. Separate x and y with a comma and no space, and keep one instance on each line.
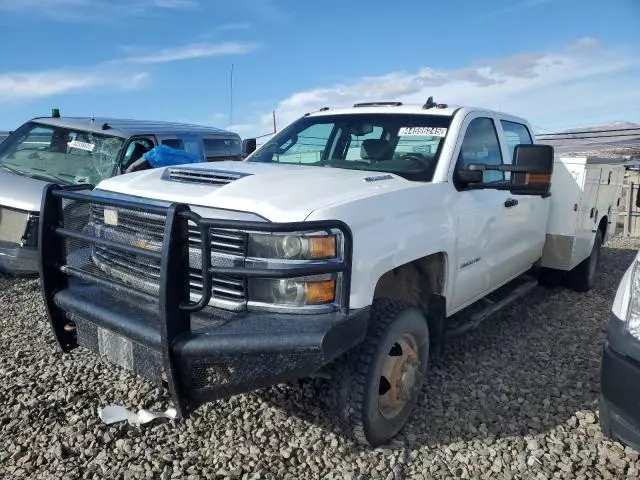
(481,145)
(135,150)
(515,133)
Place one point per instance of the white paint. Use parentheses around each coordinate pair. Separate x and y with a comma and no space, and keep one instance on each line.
(393,222)
(594,186)
(116,414)
(620,305)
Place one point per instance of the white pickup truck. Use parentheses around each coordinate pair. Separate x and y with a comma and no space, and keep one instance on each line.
(344,245)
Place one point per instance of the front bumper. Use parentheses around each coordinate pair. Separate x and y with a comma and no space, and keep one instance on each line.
(222,354)
(199,352)
(620,386)
(16,259)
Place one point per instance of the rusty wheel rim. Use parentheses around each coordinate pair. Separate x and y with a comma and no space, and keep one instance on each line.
(399,376)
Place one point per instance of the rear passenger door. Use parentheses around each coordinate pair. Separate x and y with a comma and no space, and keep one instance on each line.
(532,210)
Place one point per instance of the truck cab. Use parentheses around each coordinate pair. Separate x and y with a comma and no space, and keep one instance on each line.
(345,245)
(79,151)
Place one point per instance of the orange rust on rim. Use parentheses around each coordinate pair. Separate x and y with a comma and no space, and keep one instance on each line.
(397,395)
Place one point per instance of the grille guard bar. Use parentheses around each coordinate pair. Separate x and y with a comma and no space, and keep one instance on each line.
(175,305)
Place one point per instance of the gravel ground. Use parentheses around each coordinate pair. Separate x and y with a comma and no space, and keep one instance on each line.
(517,398)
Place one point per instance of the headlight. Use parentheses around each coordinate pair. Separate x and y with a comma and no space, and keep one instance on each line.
(633,312)
(294,247)
(294,292)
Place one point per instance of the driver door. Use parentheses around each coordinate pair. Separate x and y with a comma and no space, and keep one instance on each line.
(488,220)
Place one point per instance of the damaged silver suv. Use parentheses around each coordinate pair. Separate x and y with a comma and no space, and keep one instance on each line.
(82,151)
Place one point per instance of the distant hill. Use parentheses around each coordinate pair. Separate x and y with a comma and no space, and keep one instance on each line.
(3,135)
(609,139)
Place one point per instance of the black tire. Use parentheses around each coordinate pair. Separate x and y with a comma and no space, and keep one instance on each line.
(583,277)
(605,419)
(550,278)
(357,375)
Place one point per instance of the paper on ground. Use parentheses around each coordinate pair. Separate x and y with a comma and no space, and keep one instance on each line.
(117,413)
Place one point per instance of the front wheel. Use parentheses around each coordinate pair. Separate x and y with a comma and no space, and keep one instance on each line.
(379,382)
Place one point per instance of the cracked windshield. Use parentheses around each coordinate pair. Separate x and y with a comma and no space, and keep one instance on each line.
(59,154)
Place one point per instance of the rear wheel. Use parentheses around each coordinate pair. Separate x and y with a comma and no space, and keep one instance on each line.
(583,277)
(379,382)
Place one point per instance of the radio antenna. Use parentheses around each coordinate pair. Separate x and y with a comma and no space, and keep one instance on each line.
(231,98)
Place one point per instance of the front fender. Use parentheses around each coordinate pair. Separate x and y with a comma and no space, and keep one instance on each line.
(392,229)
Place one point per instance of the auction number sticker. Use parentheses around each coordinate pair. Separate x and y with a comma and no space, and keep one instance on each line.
(82,145)
(422,131)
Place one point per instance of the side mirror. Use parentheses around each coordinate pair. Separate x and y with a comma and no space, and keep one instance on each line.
(467,177)
(533,168)
(248,146)
(530,173)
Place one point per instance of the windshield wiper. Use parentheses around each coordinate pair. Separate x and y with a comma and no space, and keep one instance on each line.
(49,178)
(46,178)
(6,167)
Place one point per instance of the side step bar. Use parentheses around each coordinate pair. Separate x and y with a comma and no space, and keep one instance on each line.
(500,299)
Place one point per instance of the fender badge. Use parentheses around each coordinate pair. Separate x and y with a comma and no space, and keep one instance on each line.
(378,178)
(470,262)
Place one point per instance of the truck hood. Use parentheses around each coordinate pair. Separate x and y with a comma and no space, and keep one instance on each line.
(277,192)
(20,192)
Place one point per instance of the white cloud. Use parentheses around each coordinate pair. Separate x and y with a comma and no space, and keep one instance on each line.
(114,74)
(195,50)
(577,80)
(20,86)
(523,5)
(95,10)
(233,26)
(267,9)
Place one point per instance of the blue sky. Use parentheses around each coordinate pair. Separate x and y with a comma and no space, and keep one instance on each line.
(560,63)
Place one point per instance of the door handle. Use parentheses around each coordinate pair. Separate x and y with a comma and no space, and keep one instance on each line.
(510,202)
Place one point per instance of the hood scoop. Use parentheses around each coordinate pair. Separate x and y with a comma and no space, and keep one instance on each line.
(201,176)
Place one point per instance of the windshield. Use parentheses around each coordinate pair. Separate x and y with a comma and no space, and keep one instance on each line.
(405,144)
(222,147)
(60,154)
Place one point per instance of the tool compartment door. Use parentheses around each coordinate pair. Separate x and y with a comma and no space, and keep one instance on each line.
(567,185)
(587,215)
(609,200)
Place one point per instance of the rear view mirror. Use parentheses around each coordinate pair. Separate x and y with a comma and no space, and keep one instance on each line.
(248,146)
(360,129)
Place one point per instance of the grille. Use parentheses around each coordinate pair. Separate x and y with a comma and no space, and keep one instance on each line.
(146,230)
(207,177)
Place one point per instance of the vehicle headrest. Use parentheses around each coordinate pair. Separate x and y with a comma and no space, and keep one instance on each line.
(375,149)
(138,151)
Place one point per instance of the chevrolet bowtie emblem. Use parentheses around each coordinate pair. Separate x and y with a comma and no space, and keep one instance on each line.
(140,243)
